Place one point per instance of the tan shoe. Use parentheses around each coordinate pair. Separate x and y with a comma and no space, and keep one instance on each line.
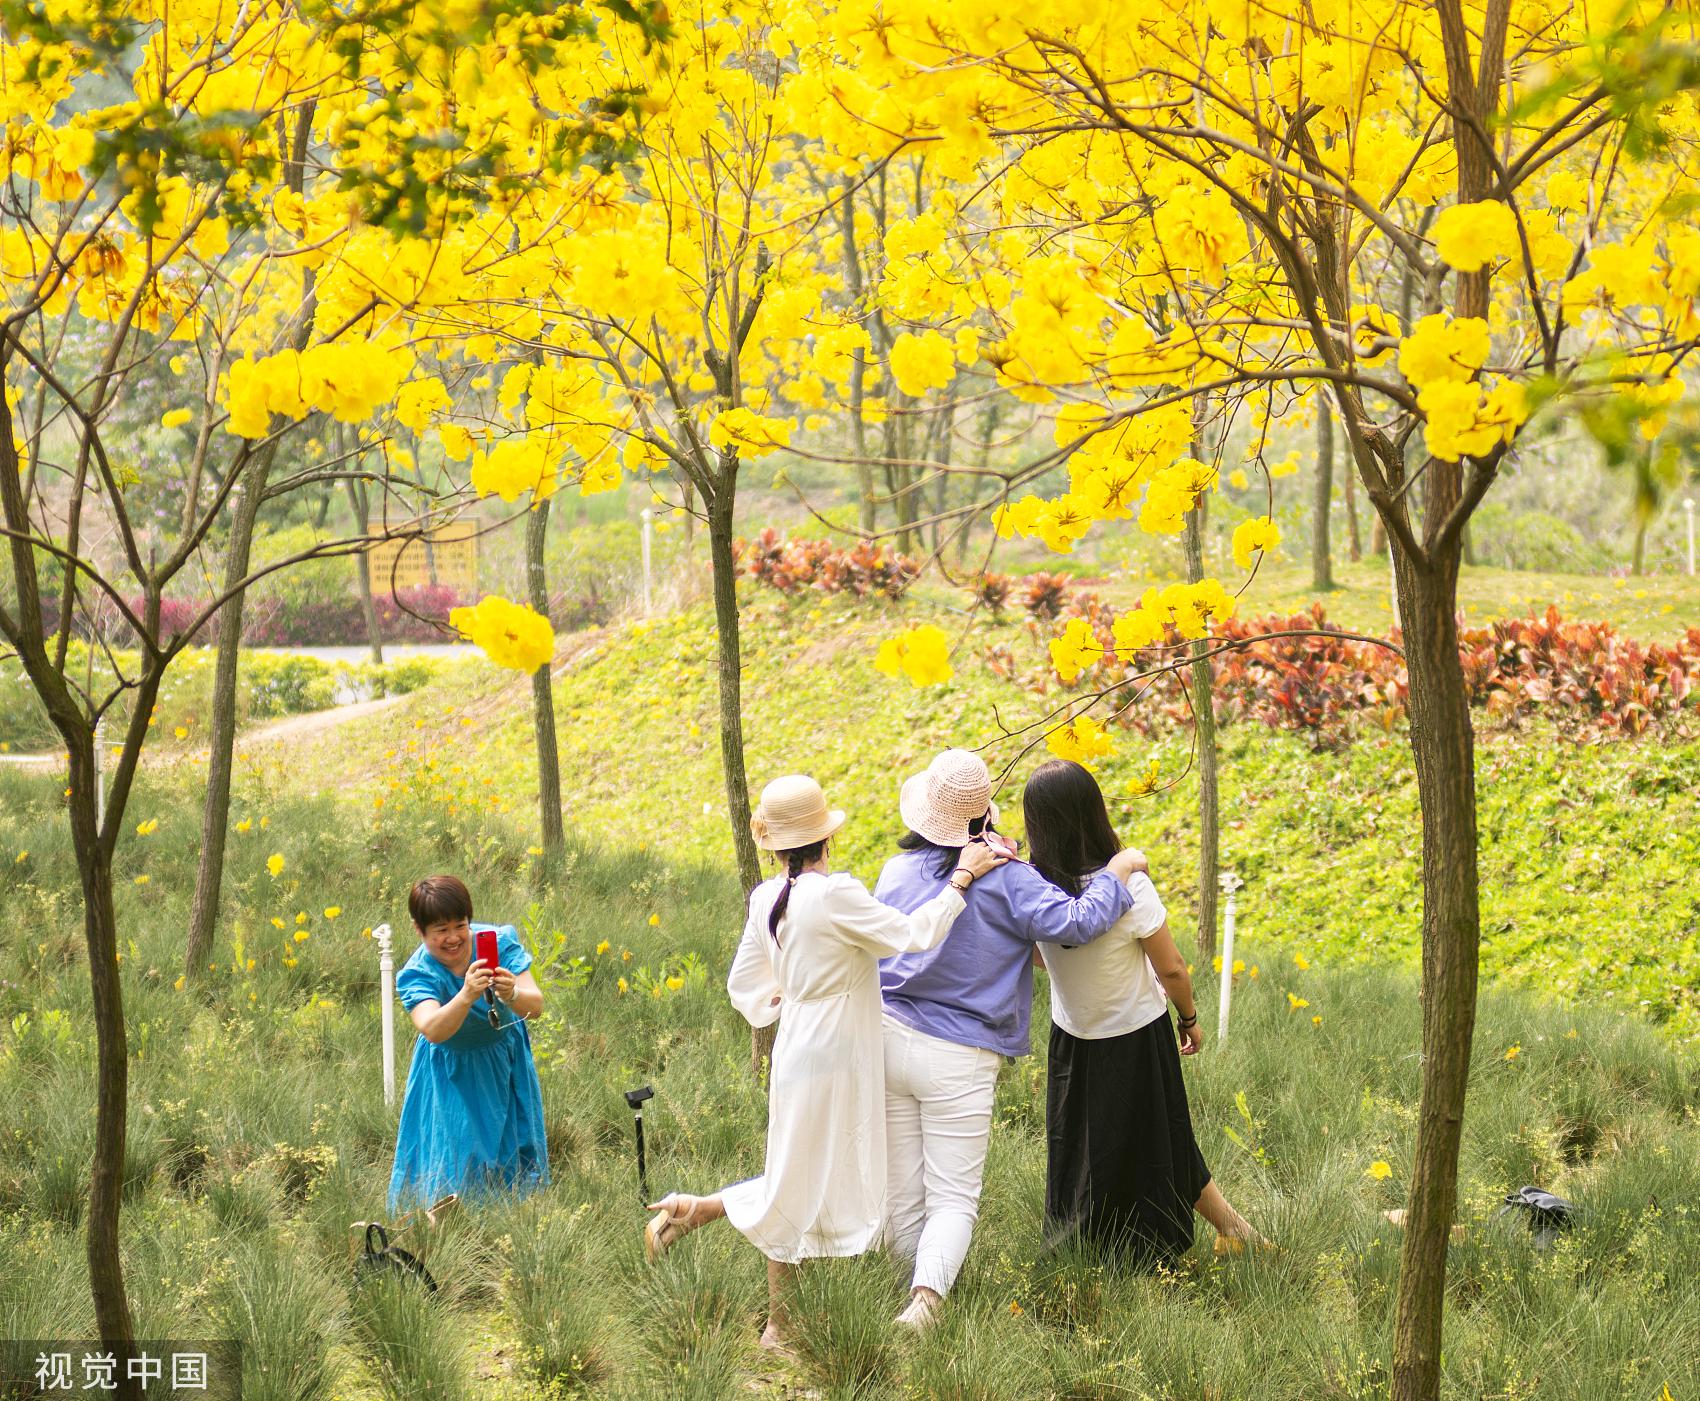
(674,1217)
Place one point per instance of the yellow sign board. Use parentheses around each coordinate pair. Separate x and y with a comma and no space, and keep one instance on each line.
(447,555)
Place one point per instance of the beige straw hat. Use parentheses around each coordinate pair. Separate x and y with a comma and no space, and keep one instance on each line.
(793,813)
(951,792)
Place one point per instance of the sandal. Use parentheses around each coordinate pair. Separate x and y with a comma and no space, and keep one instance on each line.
(674,1217)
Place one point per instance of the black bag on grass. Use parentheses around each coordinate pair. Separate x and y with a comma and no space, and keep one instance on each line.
(380,1257)
(1548,1215)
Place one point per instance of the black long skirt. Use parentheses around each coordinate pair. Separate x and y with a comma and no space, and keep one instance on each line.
(1124,1168)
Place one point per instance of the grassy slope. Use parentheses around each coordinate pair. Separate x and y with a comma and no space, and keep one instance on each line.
(258,1134)
(1587,850)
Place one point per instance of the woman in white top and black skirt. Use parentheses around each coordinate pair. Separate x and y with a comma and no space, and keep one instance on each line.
(1124,1170)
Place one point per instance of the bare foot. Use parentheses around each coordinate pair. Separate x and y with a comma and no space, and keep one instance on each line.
(773,1340)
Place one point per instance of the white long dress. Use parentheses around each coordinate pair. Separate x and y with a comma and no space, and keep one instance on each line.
(822,1192)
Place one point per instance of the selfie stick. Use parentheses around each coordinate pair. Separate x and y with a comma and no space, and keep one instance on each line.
(635,1099)
(1230,883)
(386,997)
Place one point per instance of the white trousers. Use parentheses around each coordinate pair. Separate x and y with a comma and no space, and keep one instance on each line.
(938,1121)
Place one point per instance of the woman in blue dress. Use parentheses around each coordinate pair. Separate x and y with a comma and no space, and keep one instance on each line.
(472,1119)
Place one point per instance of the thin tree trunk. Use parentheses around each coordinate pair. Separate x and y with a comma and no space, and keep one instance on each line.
(1638,556)
(100,931)
(221,738)
(363,571)
(1354,541)
(543,699)
(730,675)
(1321,561)
(1443,746)
(1203,705)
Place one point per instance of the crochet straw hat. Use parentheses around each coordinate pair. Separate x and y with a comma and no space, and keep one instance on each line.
(941,801)
(793,813)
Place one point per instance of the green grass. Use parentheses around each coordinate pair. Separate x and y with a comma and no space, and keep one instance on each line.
(258,1135)
(1587,849)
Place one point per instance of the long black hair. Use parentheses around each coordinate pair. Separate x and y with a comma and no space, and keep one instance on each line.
(795,859)
(1068,829)
(945,858)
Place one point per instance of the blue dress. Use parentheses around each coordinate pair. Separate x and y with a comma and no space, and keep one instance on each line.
(472,1118)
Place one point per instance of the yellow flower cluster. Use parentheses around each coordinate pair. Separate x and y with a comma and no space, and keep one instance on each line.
(1188,608)
(749,432)
(1470,236)
(1083,739)
(349,380)
(515,466)
(511,634)
(1076,650)
(921,653)
(922,362)
(1253,537)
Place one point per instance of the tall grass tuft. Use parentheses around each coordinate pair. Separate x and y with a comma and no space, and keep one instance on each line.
(283,1313)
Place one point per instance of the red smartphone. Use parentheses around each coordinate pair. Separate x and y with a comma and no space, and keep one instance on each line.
(486,947)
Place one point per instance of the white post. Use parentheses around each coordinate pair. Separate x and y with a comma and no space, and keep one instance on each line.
(1688,505)
(386,992)
(1230,883)
(100,773)
(648,515)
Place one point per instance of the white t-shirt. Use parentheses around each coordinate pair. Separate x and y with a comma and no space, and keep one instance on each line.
(1108,987)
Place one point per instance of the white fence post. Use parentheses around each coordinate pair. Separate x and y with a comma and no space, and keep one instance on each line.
(386,991)
(1230,883)
(100,773)
(648,516)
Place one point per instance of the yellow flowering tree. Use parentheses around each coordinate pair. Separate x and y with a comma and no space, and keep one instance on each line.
(261,207)
(1440,217)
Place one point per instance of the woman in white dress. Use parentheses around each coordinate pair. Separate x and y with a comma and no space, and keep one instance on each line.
(809,958)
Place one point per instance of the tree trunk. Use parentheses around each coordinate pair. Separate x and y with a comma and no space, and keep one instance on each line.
(730,672)
(543,699)
(363,571)
(1354,541)
(1321,561)
(100,931)
(1203,705)
(1638,556)
(221,739)
(1443,746)
(730,669)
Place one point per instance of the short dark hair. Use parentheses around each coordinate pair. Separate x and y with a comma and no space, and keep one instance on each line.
(439,900)
(1068,829)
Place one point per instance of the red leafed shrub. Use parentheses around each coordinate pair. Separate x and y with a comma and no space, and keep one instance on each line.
(789,565)
(1319,681)
(993,590)
(1044,595)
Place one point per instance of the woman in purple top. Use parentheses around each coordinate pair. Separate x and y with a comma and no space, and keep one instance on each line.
(953,1013)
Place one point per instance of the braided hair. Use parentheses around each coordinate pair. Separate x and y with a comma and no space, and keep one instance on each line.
(795,859)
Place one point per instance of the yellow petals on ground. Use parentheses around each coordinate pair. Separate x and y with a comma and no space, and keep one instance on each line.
(1513,1052)
(922,654)
(274,864)
(511,634)
(1294,1002)
(1252,537)
(655,921)
(148,828)
(602,948)
(1379,1171)
(245,826)
(332,911)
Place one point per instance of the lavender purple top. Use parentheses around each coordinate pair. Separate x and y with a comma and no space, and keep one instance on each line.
(976,988)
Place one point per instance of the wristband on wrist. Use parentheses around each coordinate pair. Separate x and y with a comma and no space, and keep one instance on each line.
(961,886)
(1190,1021)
